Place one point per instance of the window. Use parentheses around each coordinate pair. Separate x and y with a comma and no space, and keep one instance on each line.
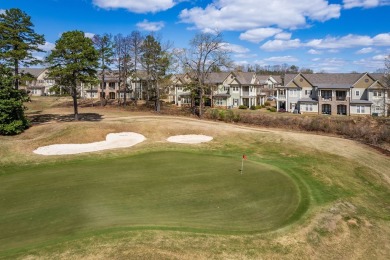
(341,95)
(282,92)
(360,109)
(219,102)
(179,88)
(357,93)
(186,100)
(235,89)
(377,93)
(225,88)
(293,92)
(377,108)
(307,92)
(326,94)
(111,84)
(326,109)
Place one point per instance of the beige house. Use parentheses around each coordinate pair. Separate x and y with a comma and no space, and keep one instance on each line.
(333,94)
(40,85)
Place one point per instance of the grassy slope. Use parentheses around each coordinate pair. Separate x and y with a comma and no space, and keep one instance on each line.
(347,195)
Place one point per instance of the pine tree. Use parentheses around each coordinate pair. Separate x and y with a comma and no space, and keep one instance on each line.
(18,41)
(12,118)
(74,60)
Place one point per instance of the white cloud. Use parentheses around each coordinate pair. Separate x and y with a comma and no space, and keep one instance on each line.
(350,41)
(365,50)
(259,34)
(235,48)
(281,45)
(329,65)
(331,44)
(143,6)
(348,4)
(48,46)
(370,64)
(251,14)
(89,35)
(379,58)
(283,36)
(150,26)
(314,52)
(2,11)
(282,59)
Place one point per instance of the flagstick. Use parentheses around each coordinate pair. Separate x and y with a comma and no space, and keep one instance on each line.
(242,165)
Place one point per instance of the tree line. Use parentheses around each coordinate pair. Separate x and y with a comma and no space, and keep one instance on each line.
(78,59)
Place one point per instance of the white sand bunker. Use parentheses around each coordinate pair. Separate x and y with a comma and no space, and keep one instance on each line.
(117,140)
(189,139)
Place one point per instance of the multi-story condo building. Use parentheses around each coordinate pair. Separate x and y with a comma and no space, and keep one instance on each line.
(333,94)
(39,84)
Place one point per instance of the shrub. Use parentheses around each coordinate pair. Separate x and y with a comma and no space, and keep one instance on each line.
(272,109)
(243,107)
(259,107)
(213,113)
(267,104)
(253,108)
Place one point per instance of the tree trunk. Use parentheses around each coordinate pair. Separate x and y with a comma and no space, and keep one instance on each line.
(102,88)
(16,74)
(201,102)
(74,96)
(157,99)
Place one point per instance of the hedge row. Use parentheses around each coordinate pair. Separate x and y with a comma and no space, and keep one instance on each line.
(366,129)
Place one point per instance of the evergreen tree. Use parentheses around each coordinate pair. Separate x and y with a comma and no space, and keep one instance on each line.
(74,60)
(155,61)
(18,41)
(12,118)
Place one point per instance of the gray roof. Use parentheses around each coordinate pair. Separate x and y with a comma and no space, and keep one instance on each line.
(185,94)
(333,86)
(216,77)
(222,95)
(244,78)
(358,101)
(288,78)
(33,71)
(307,100)
(337,79)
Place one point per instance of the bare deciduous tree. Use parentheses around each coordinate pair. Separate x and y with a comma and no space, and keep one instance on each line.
(207,52)
(103,44)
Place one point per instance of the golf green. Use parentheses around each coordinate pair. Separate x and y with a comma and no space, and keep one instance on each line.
(161,190)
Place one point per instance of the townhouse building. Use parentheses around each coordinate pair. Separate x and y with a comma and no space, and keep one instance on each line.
(333,94)
(226,89)
(38,82)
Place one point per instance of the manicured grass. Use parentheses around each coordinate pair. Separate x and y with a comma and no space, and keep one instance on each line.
(158,190)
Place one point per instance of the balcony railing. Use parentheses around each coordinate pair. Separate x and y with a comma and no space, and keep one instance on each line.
(341,98)
(282,97)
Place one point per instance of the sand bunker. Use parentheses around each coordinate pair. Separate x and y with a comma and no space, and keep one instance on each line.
(117,140)
(189,139)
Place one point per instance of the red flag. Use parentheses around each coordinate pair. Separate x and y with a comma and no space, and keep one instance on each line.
(244,157)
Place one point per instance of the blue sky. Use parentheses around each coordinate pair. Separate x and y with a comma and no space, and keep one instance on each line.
(331,36)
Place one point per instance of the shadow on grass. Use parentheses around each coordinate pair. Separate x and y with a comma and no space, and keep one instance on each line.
(45,118)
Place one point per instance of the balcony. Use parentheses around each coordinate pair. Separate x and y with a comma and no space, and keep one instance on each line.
(341,98)
(326,98)
(281,97)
